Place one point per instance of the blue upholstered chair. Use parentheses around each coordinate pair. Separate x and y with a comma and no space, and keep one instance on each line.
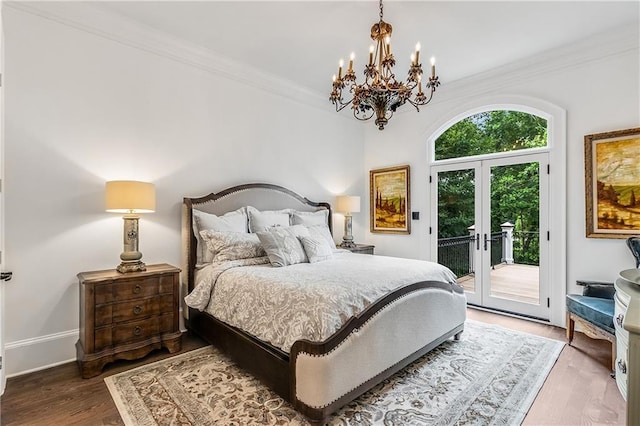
(593,311)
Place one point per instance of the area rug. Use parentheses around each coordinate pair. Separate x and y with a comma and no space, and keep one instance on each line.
(489,377)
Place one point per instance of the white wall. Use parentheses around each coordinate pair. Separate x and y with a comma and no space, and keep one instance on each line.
(595,81)
(82,109)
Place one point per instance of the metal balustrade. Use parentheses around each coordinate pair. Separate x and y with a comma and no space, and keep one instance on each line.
(507,246)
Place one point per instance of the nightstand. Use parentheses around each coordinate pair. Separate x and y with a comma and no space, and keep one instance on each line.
(127,315)
(360,248)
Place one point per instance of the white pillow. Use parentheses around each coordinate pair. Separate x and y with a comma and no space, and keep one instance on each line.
(320,217)
(316,249)
(283,245)
(235,221)
(232,245)
(322,231)
(263,220)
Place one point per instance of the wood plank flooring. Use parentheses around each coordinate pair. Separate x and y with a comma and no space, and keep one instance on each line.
(513,282)
(578,391)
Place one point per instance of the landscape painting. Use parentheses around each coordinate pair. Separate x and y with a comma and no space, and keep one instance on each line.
(612,180)
(390,200)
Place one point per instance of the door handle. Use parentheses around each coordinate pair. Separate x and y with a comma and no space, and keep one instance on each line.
(6,276)
(477,241)
(485,242)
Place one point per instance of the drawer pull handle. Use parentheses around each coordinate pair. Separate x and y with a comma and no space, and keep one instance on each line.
(137,310)
(622,366)
(137,330)
(619,320)
(137,289)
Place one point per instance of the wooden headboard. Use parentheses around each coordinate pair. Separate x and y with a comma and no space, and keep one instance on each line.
(262,196)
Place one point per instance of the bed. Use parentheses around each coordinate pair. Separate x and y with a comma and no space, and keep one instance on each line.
(405,312)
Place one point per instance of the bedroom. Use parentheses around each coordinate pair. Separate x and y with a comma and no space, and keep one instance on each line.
(91,97)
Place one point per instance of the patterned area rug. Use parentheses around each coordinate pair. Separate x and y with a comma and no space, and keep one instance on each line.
(491,376)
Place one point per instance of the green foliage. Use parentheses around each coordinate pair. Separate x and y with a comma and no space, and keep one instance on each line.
(492,131)
(514,188)
(456,191)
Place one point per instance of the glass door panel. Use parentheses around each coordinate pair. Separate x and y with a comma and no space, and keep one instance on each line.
(457,240)
(512,230)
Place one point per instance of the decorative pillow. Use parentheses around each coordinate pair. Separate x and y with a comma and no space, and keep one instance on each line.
(283,246)
(320,217)
(317,249)
(322,231)
(235,221)
(232,245)
(263,220)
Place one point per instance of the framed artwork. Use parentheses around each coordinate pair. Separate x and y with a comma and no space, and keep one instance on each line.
(390,199)
(612,184)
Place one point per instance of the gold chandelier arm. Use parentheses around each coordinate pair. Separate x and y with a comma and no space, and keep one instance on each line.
(366,114)
(419,103)
(341,105)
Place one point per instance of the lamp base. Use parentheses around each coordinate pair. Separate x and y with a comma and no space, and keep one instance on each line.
(133,266)
(347,244)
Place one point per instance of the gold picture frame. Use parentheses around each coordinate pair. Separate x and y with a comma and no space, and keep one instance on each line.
(612,184)
(390,200)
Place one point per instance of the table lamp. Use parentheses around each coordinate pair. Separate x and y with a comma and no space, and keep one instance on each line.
(348,204)
(130,197)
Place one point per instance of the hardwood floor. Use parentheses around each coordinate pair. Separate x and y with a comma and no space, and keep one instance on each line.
(578,391)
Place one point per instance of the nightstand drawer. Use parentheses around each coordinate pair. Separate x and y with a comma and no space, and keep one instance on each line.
(127,315)
(134,309)
(359,248)
(132,331)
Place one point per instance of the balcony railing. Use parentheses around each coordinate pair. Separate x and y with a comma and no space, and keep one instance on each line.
(455,252)
(507,246)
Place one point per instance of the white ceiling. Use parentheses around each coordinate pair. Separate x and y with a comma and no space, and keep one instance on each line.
(302,41)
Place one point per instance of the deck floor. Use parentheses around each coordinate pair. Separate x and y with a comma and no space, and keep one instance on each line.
(513,282)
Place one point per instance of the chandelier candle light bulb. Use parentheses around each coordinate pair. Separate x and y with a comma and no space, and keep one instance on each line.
(380,94)
(433,66)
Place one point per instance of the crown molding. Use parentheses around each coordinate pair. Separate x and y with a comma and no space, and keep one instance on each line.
(88,18)
(85,17)
(595,49)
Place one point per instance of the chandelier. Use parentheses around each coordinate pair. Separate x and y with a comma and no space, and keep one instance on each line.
(381,94)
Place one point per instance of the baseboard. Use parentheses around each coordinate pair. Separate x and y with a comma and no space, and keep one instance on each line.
(39,353)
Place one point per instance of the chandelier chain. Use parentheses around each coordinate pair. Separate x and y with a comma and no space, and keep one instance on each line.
(380,10)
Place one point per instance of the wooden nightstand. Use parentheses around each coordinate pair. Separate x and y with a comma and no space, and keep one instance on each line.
(126,316)
(360,248)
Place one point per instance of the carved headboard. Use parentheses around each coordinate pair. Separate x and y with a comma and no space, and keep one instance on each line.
(262,196)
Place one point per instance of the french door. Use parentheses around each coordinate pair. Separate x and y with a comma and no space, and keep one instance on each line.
(491,218)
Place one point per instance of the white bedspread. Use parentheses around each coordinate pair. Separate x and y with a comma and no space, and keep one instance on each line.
(304,301)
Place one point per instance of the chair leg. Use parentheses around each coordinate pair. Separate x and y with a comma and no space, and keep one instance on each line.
(614,355)
(570,328)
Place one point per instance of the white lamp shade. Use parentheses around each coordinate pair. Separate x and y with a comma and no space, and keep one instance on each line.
(128,196)
(348,204)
